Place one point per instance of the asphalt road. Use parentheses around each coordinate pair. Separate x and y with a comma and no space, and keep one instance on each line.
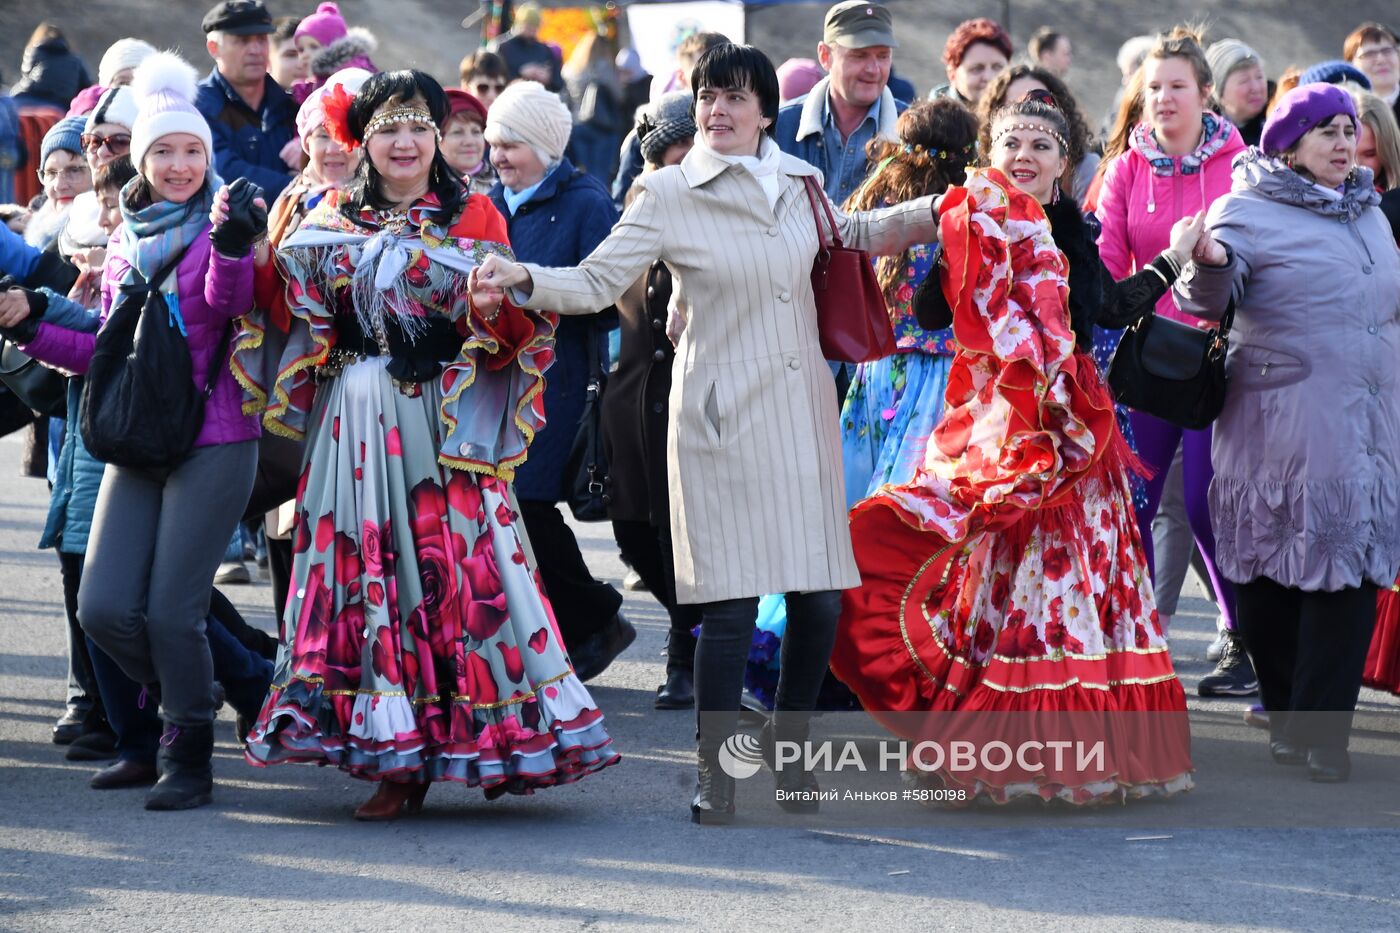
(1254,846)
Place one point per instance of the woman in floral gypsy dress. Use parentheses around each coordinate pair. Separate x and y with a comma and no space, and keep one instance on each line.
(419,646)
(1007,576)
(894,403)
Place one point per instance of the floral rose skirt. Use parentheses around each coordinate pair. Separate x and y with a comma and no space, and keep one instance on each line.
(419,646)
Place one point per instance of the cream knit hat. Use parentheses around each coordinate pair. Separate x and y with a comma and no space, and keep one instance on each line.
(122,54)
(530,112)
(165,86)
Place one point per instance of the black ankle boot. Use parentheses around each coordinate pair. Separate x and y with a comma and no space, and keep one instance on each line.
(797,788)
(714,794)
(186,772)
(1329,765)
(678,692)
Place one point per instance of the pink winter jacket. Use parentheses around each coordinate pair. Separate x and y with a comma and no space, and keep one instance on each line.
(1138,207)
(213,289)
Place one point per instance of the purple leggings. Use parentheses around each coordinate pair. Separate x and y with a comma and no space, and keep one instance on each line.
(1156,446)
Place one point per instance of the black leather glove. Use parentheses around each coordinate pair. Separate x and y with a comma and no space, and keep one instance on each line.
(245,222)
(27,329)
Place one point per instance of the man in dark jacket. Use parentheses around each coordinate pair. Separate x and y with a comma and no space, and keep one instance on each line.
(556,216)
(252,119)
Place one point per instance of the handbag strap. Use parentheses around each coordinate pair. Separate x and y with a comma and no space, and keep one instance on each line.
(153,284)
(815,197)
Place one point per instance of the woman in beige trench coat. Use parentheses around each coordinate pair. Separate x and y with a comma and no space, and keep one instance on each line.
(754,449)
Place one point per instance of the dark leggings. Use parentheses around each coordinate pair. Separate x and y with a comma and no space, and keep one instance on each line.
(82,683)
(1308,649)
(647,548)
(726,632)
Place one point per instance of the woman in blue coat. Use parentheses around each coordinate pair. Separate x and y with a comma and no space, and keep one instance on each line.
(556,215)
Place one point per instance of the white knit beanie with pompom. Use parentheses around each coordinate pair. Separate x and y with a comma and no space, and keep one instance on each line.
(165,86)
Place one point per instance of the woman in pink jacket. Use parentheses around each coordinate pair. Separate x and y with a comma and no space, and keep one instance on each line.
(1177,164)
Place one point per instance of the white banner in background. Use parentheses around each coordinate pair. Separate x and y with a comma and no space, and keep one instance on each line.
(657,28)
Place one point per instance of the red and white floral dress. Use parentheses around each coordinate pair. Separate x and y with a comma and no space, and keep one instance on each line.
(1008,576)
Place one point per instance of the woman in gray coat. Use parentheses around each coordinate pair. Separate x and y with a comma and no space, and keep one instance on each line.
(757,500)
(1306,496)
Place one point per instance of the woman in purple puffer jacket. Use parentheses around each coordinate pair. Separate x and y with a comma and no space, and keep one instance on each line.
(158,534)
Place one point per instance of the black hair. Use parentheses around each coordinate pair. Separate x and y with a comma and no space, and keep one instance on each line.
(115,174)
(284,28)
(739,66)
(1035,110)
(401,86)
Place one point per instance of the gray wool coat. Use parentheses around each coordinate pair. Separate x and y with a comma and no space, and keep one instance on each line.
(1307,450)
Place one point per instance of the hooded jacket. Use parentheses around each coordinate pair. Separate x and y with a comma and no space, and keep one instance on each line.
(1307,449)
(1140,202)
(53,75)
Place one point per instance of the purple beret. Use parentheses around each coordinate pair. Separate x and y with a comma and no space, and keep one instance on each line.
(1301,109)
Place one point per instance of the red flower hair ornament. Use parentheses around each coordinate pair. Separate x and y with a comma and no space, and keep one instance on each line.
(335,103)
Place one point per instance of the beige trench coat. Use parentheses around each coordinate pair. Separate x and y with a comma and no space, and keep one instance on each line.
(758,503)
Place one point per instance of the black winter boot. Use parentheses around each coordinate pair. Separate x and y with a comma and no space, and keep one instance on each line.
(186,773)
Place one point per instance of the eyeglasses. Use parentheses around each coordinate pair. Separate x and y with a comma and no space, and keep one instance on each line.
(483,87)
(70,174)
(118,144)
(1376,54)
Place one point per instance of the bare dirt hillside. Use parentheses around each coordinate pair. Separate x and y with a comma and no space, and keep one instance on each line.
(427,33)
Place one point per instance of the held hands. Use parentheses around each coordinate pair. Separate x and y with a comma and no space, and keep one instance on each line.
(486,299)
(496,272)
(239,216)
(1190,241)
(20,311)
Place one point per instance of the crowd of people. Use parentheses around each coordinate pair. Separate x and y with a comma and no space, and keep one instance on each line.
(420,320)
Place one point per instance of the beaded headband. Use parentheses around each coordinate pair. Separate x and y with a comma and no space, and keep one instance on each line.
(387,118)
(1038,127)
(946,155)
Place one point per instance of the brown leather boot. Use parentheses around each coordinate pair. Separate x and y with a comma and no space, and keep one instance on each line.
(391,800)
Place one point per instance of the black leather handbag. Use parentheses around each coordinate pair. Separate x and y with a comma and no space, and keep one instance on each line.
(1171,370)
(43,389)
(586,471)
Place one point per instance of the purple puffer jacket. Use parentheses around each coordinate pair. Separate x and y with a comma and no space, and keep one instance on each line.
(213,290)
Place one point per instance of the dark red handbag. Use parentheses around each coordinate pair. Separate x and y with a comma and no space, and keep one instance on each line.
(852,320)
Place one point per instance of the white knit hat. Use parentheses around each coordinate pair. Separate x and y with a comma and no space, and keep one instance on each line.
(116,105)
(124,53)
(532,113)
(165,87)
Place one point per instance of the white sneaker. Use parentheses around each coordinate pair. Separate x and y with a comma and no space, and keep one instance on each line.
(233,571)
(1217,647)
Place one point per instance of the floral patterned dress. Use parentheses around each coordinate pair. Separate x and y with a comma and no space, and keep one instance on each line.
(894,403)
(1008,575)
(419,645)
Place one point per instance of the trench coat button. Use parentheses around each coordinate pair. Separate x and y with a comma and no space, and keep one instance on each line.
(772,231)
(659,355)
(1371,451)
(794,363)
(1366,270)
(785,296)
(657,407)
(1371,329)
(1375,390)
(657,323)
